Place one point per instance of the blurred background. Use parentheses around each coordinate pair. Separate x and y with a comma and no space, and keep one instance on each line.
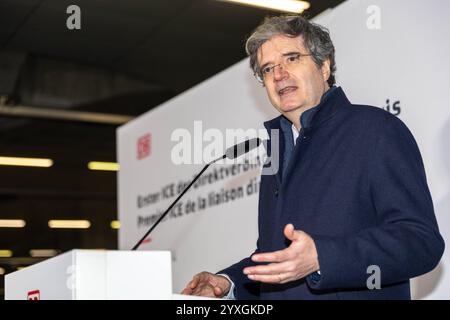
(64,92)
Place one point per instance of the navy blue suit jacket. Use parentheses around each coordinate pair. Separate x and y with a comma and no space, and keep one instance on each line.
(355,182)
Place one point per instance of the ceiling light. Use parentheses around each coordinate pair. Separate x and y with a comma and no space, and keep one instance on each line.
(42,253)
(6,253)
(103,166)
(26,162)
(292,6)
(69,224)
(12,223)
(115,224)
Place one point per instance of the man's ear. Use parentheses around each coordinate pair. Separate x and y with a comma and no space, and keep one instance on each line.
(326,70)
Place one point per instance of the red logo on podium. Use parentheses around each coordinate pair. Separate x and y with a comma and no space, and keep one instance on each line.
(34,295)
(144,146)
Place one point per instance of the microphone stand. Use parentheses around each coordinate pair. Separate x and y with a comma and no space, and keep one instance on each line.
(174,202)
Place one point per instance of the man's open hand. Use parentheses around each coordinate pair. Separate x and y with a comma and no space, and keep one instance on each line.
(293,263)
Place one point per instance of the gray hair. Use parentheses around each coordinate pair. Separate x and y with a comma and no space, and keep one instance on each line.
(316,39)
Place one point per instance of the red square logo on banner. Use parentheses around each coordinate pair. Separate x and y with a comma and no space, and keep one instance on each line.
(144,146)
(34,295)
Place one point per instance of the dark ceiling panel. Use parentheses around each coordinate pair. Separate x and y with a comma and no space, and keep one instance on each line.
(12,14)
(196,44)
(108,29)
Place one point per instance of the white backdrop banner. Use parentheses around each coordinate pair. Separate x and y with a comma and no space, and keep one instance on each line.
(391,54)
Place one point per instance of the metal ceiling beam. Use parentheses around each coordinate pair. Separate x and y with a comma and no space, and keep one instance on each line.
(67,115)
(64,194)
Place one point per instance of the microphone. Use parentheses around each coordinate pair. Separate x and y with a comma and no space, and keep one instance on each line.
(242,148)
(231,153)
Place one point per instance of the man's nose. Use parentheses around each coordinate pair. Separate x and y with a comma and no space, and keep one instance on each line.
(279,72)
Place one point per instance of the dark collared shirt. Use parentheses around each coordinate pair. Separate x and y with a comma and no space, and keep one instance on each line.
(305,121)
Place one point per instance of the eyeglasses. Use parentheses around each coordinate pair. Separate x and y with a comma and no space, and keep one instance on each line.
(268,71)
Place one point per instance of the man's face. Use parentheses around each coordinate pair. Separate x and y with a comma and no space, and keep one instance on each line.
(298,86)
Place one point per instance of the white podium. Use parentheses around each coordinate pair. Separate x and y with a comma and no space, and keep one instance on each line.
(95,275)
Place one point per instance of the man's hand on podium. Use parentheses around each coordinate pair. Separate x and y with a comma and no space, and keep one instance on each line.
(206,284)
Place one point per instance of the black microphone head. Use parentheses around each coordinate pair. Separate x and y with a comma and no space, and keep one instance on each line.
(242,148)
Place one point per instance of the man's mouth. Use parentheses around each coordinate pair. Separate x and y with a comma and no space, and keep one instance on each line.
(286,90)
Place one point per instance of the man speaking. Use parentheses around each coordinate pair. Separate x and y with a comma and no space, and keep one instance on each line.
(350,198)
